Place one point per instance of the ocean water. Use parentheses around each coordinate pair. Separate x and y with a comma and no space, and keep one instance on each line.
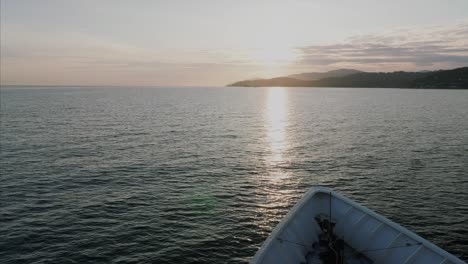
(192,175)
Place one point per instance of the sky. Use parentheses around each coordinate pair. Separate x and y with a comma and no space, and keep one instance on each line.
(217,42)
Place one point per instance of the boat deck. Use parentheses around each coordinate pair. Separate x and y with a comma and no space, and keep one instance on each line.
(350,257)
(328,249)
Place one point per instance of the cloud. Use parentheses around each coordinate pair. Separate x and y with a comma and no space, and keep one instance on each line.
(404,49)
(76,58)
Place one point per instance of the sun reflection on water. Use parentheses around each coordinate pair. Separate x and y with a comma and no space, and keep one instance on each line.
(277,188)
(276,122)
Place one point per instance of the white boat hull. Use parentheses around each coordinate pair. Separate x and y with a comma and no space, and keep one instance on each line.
(370,235)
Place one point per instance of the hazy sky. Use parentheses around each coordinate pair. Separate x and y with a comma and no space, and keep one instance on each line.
(196,42)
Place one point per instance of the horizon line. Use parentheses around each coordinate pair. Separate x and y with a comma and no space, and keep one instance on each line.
(199,86)
(110,86)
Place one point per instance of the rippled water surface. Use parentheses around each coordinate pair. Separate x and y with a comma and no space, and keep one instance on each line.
(185,175)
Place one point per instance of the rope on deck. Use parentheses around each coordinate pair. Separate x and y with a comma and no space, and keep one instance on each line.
(295,243)
(377,249)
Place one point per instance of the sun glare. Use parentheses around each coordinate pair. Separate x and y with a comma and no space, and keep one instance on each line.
(271,55)
(273,60)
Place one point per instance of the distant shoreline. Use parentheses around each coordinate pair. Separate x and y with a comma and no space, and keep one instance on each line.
(442,79)
(455,79)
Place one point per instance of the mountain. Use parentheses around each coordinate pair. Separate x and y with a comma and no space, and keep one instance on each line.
(456,78)
(279,81)
(311,76)
(373,79)
(452,79)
